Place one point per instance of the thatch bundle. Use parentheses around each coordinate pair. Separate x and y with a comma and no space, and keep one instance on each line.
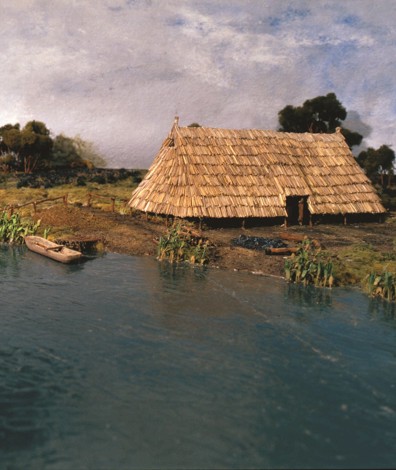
(223,173)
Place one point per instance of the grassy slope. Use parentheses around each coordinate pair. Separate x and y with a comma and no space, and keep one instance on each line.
(122,190)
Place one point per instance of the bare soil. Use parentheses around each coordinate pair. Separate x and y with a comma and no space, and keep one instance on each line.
(137,235)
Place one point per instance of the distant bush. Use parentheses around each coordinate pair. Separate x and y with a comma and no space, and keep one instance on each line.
(25,181)
(81,181)
(137,179)
(100,179)
(77,176)
(111,178)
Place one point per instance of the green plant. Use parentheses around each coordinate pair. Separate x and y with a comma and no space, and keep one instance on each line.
(14,230)
(46,232)
(180,244)
(381,285)
(309,266)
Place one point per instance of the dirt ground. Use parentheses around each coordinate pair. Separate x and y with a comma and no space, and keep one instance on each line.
(137,235)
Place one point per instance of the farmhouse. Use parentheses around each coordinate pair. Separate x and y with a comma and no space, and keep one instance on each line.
(202,172)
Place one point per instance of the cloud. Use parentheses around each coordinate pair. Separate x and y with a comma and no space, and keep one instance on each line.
(116,72)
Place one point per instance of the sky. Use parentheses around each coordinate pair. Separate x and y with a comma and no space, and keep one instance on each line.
(116,72)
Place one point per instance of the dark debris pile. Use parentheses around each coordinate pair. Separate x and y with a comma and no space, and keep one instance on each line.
(78,177)
(258,243)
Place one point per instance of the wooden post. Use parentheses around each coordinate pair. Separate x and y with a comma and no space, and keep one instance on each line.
(89,200)
(65,199)
(310,220)
(112,204)
(243,224)
(34,206)
(345,219)
(285,222)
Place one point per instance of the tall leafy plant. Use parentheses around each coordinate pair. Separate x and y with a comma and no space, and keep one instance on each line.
(381,285)
(309,266)
(14,230)
(179,244)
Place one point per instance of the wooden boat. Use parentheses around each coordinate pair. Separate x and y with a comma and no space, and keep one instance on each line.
(52,250)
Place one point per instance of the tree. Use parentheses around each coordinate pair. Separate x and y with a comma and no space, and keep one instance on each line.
(36,145)
(322,114)
(377,162)
(10,137)
(10,143)
(88,153)
(65,154)
(32,148)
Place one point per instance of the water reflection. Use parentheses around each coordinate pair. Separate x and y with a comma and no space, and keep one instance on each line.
(10,260)
(42,263)
(308,296)
(178,272)
(382,309)
(180,296)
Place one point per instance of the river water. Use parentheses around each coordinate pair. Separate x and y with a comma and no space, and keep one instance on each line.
(124,362)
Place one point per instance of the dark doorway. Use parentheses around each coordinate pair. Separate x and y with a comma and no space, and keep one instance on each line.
(297,210)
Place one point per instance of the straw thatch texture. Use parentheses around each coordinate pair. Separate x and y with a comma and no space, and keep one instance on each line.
(222,173)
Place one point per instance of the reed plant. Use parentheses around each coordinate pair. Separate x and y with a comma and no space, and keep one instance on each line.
(180,244)
(13,230)
(309,266)
(381,285)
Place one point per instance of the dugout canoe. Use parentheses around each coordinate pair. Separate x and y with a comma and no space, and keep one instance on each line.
(52,250)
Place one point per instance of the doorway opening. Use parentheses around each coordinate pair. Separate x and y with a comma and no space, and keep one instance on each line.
(297,210)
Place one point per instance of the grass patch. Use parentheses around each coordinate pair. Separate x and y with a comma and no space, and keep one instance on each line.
(121,190)
(355,262)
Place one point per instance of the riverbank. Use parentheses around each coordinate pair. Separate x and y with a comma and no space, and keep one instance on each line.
(357,245)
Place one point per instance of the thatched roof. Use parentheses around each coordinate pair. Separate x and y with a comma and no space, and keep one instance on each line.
(224,173)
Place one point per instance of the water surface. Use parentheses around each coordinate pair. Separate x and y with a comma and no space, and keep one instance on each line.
(124,362)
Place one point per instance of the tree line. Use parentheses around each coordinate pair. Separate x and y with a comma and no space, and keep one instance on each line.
(31,148)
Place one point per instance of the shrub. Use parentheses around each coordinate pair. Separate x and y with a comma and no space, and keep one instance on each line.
(24,181)
(81,181)
(137,179)
(100,179)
